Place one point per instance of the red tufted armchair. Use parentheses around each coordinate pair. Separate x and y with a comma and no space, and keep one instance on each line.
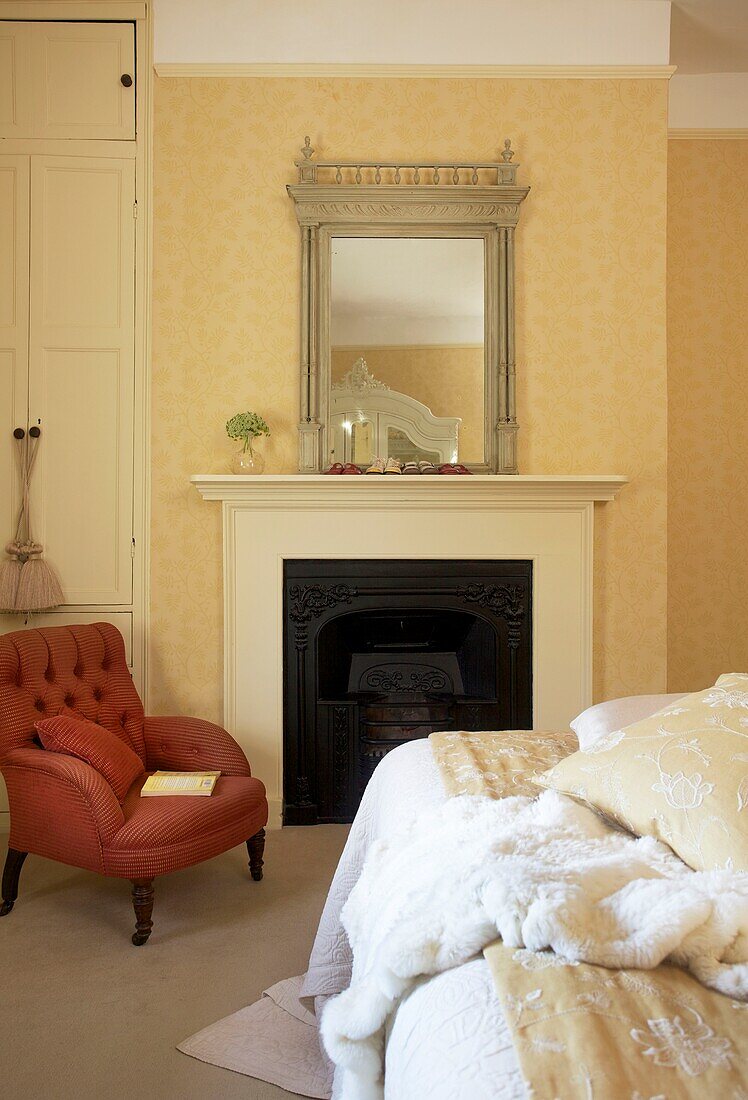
(61,808)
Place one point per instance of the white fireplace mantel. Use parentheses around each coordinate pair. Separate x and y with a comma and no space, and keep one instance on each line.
(482,490)
(546,519)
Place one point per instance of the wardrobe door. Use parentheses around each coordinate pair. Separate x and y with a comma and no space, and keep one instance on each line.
(14,328)
(81,371)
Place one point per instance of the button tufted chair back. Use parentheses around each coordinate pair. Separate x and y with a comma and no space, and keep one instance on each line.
(78,669)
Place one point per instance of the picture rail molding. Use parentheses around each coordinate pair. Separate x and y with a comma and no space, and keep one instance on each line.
(369,71)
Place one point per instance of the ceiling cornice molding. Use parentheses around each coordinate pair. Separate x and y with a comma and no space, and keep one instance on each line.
(221,69)
(685,133)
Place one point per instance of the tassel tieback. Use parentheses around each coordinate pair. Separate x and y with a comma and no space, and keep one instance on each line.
(24,551)
(27,582)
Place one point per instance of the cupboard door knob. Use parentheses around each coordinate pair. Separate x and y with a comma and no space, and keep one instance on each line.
(19,433)
(35,432)
(126,80)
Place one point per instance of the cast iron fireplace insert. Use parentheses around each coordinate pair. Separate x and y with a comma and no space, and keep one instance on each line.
(379,652)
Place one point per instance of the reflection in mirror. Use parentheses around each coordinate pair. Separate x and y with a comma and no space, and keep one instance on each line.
(399,445)
(407,349)
(361,432)
(369,419)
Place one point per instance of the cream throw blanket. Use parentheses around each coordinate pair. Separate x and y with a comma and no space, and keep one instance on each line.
(540,873)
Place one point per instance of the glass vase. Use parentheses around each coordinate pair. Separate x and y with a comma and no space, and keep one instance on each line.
(248,460)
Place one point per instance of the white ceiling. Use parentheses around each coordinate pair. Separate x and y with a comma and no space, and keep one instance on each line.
(406,290)
(709,45)
(709,36)
(422,32)
(706,36)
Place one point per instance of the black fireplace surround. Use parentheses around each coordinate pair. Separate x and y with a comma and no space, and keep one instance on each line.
(376,653)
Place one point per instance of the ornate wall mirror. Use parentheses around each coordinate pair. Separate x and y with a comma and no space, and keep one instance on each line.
(407,292)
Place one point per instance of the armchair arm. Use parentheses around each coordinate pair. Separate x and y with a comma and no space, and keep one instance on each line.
(191,745)
(60,807)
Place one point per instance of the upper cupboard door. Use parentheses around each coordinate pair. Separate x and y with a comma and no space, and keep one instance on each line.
(81,370)
(77,74)
(65,80)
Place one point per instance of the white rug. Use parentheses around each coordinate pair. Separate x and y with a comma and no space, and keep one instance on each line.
(275,1040)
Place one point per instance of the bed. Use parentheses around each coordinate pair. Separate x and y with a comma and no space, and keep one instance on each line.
(446,1036)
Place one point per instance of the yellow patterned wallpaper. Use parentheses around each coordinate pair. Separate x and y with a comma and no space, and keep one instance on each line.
(708,411)
(449,380)
(590,318)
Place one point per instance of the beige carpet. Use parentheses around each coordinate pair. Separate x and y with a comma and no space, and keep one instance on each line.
(85,1015)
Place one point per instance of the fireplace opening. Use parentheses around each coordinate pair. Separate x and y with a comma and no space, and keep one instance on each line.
(377,653)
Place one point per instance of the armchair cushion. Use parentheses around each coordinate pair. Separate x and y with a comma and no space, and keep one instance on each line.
(104,751)
(165,834)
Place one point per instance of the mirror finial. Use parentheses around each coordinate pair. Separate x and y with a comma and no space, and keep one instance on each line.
(306,166)
(506,174)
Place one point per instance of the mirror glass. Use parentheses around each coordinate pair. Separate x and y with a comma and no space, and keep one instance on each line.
(406,349)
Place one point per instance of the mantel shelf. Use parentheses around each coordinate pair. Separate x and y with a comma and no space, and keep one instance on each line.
(378,491)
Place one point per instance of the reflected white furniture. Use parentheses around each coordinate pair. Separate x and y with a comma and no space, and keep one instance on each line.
(359,400)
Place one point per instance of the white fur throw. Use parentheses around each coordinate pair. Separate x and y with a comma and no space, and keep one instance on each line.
(540,873)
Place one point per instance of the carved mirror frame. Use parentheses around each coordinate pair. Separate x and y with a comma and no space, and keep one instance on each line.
(408,199)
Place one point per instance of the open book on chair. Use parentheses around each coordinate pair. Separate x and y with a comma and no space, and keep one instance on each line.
(171,783)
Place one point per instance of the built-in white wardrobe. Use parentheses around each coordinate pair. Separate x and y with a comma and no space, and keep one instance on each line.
(73,303)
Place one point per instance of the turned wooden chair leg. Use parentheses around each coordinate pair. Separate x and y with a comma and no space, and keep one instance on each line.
(11,875)
(142,900)
(255,847)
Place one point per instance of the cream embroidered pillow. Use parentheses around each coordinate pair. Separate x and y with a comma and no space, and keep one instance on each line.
(681,776)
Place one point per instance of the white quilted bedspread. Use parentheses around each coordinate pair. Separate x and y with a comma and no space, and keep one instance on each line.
(448,1039)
